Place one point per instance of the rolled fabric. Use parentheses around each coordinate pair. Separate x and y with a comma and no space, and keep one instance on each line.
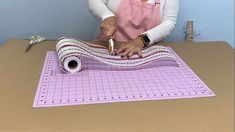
(70,52)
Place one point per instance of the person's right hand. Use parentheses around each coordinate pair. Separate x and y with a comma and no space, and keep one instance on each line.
(108,27)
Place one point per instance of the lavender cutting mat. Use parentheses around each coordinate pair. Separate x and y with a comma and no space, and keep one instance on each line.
(100,83)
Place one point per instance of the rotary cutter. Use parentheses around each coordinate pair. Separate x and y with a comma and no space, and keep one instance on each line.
(111,46)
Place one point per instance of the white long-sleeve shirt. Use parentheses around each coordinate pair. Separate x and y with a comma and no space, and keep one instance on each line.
(168,11)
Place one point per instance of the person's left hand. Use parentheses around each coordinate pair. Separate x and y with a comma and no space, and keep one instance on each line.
(130,48)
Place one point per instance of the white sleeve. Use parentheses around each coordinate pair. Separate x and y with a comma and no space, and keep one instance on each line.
(170,12)
(99,9)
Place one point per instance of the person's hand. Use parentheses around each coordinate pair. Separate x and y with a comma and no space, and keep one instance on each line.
(108,27)
(130,48)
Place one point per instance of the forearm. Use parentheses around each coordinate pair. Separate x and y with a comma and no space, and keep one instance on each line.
(160,32)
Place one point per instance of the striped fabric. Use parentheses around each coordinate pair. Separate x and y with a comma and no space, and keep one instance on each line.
(68,48)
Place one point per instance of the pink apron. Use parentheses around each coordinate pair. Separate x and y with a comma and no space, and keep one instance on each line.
(134,17)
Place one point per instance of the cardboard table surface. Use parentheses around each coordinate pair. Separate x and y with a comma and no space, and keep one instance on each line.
(212,61)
